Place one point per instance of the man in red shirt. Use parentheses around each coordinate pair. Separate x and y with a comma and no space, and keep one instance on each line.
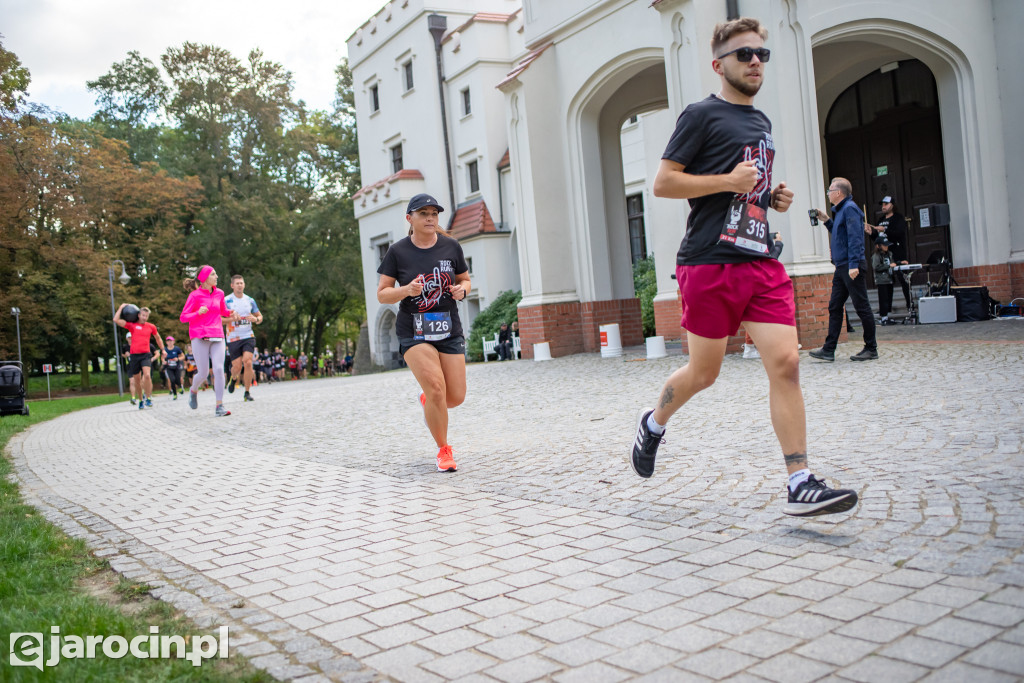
(140,366)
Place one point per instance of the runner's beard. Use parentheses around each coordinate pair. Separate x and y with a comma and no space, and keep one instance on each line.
(748,89)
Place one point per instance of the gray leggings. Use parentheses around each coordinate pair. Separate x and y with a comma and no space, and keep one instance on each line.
(205,351)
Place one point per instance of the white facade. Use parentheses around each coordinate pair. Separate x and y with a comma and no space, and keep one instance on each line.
(572,72)
(477,52)
(597,63)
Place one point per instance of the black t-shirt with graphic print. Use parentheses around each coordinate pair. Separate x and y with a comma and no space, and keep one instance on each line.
(710,138)
(438,265)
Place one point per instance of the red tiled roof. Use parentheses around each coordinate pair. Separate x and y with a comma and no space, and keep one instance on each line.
(483,17)
(404,174)
(472,219)
(505,160)
(525,63)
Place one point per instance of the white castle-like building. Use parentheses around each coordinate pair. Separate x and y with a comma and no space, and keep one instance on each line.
(538,123)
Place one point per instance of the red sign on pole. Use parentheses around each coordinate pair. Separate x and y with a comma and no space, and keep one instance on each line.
(47,368)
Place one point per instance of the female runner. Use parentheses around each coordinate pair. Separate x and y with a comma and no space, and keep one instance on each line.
(434,275)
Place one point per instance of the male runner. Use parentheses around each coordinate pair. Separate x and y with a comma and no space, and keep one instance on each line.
(720,158)
(140,367)
(241,340)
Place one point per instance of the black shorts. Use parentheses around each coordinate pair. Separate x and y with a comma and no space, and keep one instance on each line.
(451,346)
(137,361)
(240,346)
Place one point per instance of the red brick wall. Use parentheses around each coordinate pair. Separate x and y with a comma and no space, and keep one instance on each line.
(1002,280)
(666,318)
(811,293)
(1017,279)
(574,327)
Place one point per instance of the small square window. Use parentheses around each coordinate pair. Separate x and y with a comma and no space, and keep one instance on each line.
(374,98)
(396,159)
(407,75)
(474,177)
(467,103)
(382,250)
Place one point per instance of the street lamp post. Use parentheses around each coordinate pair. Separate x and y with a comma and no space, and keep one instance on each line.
(16,312)
(123,279)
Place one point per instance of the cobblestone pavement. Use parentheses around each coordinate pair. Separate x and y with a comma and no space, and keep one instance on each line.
(314,523)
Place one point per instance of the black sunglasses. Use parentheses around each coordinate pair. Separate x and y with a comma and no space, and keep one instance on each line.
(745,54)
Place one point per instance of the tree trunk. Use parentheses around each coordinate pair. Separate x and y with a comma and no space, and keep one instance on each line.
(83,361)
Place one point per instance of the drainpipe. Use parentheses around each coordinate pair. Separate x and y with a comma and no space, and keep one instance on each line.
(501,203)
(732,10)
(437,24)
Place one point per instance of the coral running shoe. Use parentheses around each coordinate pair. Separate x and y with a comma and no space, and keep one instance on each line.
(445,461)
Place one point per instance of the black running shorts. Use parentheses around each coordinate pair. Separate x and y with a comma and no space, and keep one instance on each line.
(453,346)
(137,361)
(240,346)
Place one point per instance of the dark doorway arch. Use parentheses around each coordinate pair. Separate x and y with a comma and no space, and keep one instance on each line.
(883,133)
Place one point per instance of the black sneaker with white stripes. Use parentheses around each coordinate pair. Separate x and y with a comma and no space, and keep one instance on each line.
(813,498)
(645,446)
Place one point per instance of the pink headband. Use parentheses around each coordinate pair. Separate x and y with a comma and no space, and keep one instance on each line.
(204,273)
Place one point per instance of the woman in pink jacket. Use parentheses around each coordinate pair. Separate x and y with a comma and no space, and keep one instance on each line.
(205,312)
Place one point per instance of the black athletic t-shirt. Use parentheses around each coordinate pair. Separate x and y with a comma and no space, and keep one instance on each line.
(438,265)
(710,138)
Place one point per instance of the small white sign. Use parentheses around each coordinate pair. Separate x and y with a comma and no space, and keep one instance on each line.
(47,368)
(924,218)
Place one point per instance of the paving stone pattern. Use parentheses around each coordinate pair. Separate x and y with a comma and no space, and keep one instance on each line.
(314,523)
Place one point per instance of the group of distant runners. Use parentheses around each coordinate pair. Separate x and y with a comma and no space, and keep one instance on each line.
(221,336)
(720,157)
(206,311)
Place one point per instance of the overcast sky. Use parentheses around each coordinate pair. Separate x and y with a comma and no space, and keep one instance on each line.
(65,43)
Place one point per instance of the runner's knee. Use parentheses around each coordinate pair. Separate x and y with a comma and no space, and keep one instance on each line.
(456,397)
(785,368)
(704,377)
(434,388)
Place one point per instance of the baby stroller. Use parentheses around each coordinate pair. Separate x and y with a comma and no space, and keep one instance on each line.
(13,388)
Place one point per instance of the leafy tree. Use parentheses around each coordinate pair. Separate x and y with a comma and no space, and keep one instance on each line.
(204,158)
(502,310)
(14,80)
(70,202)
(131,99)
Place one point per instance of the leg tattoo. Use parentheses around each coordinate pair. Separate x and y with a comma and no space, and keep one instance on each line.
(666,397)
(799,459)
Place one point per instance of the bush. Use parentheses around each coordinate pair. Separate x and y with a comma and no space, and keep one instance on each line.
(502,310)
(645,284)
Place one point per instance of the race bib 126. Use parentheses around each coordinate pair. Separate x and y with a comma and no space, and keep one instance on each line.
(434,326)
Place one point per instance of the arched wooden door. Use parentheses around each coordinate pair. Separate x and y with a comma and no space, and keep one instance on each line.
(884,134)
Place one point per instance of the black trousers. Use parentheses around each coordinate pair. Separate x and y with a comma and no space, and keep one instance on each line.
(884,299)
(902,278)
(844,288)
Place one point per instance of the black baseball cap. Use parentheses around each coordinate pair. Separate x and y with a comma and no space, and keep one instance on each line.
(421,200)
(883,240)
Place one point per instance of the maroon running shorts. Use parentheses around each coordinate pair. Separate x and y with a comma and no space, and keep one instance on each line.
(718,297)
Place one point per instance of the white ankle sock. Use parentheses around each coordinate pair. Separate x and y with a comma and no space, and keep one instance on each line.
(798,477)
(653,425)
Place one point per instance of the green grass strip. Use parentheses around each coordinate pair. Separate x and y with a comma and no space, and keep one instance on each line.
(41,574)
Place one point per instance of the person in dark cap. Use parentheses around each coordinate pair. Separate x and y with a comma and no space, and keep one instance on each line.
(426,274)
(881,264)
